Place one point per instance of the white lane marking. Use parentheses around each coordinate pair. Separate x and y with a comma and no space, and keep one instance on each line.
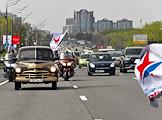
(4,82)
(121,74)
(83,98)
(134,78)
(75,87)
(98,119)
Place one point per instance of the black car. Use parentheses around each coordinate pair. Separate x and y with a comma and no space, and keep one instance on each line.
(100,63)
(128,57)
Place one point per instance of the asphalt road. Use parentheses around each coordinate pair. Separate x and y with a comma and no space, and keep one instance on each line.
(100,97)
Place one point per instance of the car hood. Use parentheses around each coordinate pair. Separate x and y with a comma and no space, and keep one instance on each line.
(102,63)
(134,56)
(83,60)
(32,64)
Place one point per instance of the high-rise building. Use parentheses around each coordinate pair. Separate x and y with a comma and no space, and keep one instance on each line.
(69,21)
(69,25)
(83,21)
(104,24)
(124,24)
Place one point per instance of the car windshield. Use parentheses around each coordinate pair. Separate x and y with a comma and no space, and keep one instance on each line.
(77,54)
(133,51)
(64,55)
(115,53)
(100,57)
(37,54)
(85,56)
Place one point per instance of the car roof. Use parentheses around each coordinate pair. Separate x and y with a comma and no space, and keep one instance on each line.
(30,47)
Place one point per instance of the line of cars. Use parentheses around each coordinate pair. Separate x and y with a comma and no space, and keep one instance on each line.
(106,62)
(37,64)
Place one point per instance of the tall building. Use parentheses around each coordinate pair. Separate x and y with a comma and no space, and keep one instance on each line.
(83,21)
(124,24)
(70,25)
(104,24)
(69,21)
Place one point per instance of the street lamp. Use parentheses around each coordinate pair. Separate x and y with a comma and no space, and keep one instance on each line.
(8,4)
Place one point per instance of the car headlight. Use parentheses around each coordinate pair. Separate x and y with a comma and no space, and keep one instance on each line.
(53,69)
(126,59)
(92,65)
(18,70)
(64,64)
(112,65)
(69,63)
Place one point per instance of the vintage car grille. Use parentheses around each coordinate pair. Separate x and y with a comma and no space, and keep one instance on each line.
(35,74)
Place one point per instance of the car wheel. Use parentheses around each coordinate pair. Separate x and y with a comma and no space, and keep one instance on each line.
(54,85)
(10,77)
(17,85)
(112,73)
(79,66)
(124,70)
(121,69)
(90,74)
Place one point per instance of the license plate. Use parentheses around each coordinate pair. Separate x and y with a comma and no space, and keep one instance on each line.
(36,80)
(99,71)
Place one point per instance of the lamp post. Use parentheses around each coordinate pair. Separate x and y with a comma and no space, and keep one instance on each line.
(8,4)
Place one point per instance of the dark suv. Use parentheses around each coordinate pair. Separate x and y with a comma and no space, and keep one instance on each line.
(129,55)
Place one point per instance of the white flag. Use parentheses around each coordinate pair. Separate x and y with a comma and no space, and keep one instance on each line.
(56,40)
(149,71)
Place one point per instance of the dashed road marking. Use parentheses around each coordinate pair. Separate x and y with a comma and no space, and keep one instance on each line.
(4,82)
(121,74)
(98,119)
(75,87)
(83,98)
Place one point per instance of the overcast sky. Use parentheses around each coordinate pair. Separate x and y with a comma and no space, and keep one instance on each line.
(56,11)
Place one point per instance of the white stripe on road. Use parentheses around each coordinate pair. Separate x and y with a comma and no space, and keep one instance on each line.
(4,82)
(83,98)
(75,87)
(121,74)
(98,119)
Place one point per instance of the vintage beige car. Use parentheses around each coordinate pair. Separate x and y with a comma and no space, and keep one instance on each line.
(35,64)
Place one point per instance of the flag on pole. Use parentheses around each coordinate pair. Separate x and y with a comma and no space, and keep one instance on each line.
(56,40)
(149,70)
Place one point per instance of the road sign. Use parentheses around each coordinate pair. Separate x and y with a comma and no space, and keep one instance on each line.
(140,39)
(9,39)
(15,39)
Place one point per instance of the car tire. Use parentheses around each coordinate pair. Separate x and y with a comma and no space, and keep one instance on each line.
(10,78)
(90,74)
(17,85)
(80,66)
(112,73)
(124,70)
(54,85)
(121,69)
